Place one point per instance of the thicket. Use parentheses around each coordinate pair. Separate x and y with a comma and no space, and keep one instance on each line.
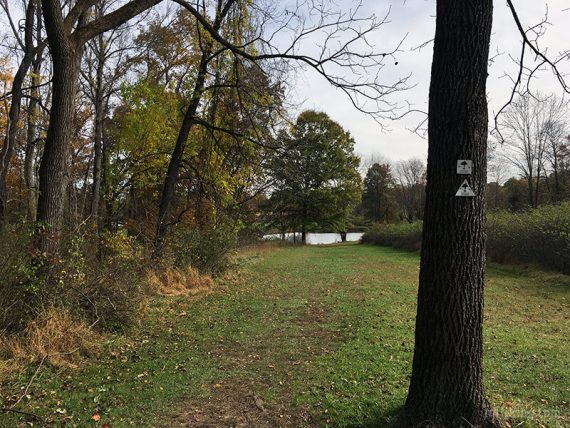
(99,283)
(540,235)
(407,236)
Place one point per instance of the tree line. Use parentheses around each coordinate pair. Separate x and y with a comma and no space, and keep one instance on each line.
(529,165)
(121,114)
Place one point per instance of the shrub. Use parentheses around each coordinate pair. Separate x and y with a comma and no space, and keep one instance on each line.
(538,236)
(20,284)
(541,235)
(207,250)
(113,290)
(407,236)
(99,283)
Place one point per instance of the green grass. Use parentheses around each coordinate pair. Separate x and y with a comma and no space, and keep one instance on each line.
(323,332)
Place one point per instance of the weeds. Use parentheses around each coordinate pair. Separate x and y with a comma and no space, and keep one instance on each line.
(177,282)
(538,236)
(56,336)
(407,236)
(208,251)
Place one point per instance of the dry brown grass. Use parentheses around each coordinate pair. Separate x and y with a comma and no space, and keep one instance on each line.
(178,282)
(257,251)
(55,337)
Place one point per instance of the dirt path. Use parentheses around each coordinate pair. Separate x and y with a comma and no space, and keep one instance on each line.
(237,406)
(272,359)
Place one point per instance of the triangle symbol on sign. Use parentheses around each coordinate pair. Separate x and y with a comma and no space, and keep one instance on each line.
(465,190)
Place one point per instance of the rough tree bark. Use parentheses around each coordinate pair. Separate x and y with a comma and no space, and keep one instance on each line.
(446,387)
(33,136)
(66,40)
(66,55)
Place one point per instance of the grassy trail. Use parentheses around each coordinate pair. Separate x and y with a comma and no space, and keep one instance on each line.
(305,337)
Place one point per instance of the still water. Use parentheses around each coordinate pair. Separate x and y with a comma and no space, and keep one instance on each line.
(319,238)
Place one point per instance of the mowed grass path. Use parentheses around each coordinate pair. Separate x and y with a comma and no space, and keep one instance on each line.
(314,336)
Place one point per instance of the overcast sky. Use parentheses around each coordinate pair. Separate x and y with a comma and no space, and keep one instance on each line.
(416,18)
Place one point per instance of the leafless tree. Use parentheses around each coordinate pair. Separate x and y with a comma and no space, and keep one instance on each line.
(525,127)
(31,47)
(539,60)
(105,61)
(410,175)
(556,129)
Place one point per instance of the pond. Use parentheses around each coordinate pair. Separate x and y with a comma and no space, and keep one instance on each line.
(318,238)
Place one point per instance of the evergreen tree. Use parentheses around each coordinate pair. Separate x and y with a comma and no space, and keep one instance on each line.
(377,201)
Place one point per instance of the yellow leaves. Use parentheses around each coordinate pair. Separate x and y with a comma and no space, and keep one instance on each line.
(5,86)
(5,71)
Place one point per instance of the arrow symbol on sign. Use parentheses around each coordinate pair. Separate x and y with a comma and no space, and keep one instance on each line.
(464,166)
(465,190)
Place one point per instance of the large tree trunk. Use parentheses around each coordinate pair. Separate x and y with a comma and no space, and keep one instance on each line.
(446,387)
(54,164)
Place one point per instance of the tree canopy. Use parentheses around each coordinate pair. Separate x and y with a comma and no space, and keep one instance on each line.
(315,178)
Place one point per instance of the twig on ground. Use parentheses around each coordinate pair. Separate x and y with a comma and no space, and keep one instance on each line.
(10,410)
(27,388)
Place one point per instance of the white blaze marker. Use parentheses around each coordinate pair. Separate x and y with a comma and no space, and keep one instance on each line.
(464,166)
(465,190)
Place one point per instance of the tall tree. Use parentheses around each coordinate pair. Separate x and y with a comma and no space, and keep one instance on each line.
(446,387)
(258,48)
(189,121)
(377,200)
(411,187)
(526,127)
(316,176)
(33,135)
(556,130)
(31,50)
(67,37)
(105,62)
